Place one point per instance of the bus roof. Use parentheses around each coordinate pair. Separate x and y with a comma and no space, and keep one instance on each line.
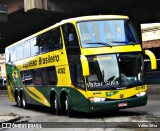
(95,17)
(76,19)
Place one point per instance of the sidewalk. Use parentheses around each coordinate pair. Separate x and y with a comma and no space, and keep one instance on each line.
(8,117)
(154,89)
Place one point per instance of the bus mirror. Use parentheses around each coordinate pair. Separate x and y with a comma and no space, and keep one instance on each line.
(85,66)
(152,59)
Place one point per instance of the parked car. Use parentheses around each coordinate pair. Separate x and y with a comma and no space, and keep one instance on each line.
(2,83)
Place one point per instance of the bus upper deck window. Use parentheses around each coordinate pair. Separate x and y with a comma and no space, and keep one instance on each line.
(70,36)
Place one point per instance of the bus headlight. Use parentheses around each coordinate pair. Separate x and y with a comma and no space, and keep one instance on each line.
(95,99)
(141,94)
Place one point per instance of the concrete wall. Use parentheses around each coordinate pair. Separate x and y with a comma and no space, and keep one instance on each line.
(66,7)
(35,4)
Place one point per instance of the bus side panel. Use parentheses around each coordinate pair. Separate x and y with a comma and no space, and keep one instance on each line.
(10,91)
(37,95)
(13,81)
(63,75)
(77,100)
(34,94)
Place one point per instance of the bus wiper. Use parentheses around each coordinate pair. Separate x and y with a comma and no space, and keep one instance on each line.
(119,42)
(127,43)
(100,43)
(132,43)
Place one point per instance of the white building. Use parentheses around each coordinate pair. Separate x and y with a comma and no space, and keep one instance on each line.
(150,35)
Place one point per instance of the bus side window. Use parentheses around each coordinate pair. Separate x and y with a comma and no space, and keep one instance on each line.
(52,75)
(26,49)
(70,35)
(19,52)
(48,41)
(42,42)
(13,54)
(22,77)
(56,37)
(37,77)
(45,77)
(34,47)
(28,77)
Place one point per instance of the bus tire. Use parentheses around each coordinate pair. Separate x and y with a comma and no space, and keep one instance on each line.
(53,106)
(24,102)
(70,112)
(56,106)
(19,101)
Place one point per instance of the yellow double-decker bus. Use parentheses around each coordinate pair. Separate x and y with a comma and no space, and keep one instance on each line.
(87,64)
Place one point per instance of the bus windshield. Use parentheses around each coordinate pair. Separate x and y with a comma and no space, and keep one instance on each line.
(106,33)
(115,71)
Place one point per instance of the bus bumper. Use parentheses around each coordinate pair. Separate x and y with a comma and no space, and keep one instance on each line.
(117,104)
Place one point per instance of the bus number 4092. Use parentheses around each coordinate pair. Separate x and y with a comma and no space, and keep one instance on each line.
(61,70)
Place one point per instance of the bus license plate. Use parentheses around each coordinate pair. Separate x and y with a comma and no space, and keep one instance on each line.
(122,104)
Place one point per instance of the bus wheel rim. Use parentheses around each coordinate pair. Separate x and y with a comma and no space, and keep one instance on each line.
(18,101)
(24,102)
(66,103)
(55,103)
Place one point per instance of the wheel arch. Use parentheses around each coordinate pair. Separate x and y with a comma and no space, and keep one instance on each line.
(63,94)
(52,95)
(15,95)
